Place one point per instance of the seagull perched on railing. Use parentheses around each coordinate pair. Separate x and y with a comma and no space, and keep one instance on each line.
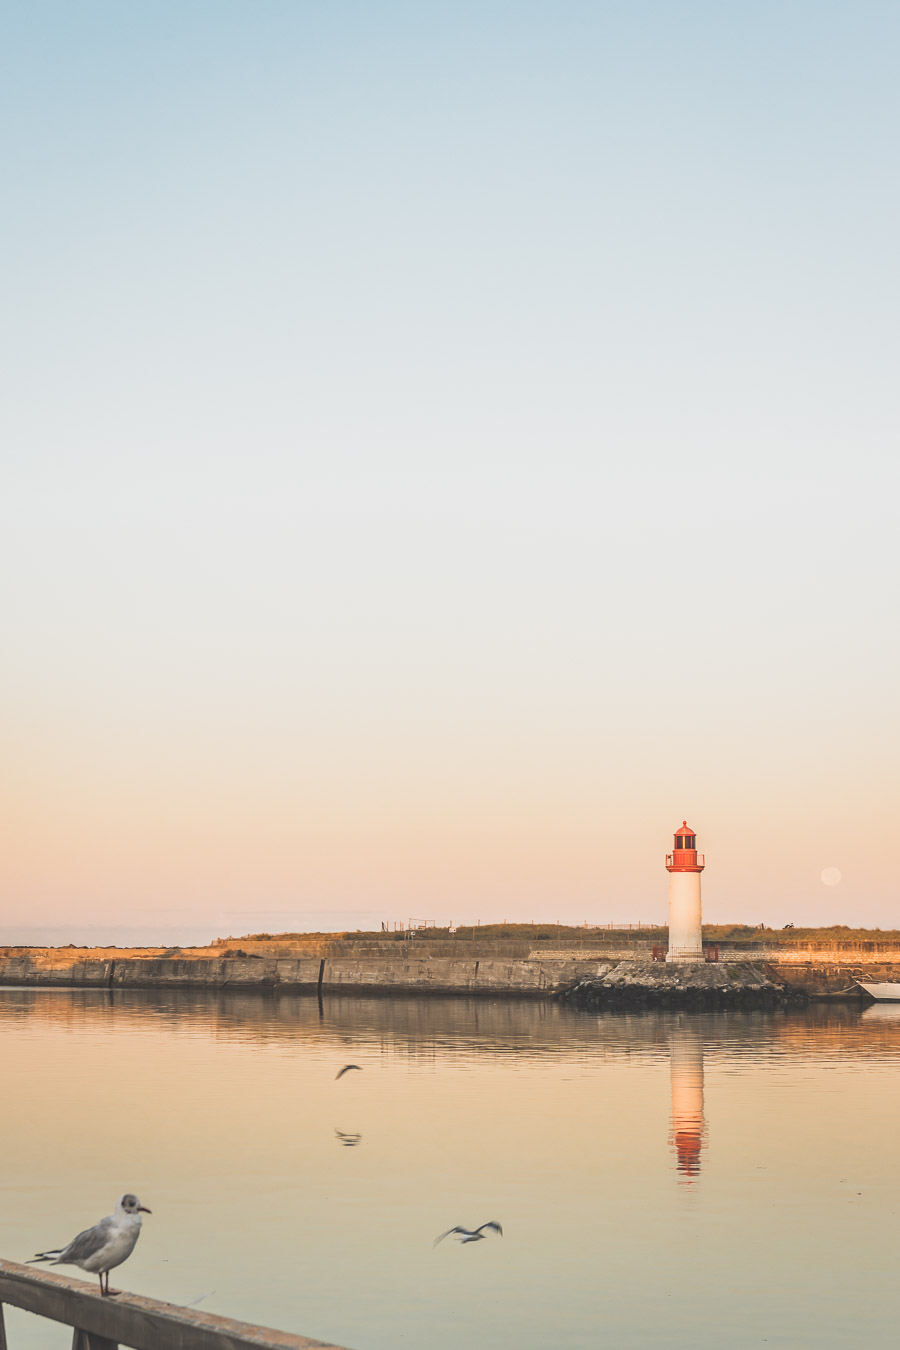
(470,1234)
(99,1249)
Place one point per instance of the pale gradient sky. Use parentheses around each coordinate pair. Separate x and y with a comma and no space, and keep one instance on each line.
(444,445)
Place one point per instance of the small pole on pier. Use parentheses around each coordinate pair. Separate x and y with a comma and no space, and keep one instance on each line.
(86,1340)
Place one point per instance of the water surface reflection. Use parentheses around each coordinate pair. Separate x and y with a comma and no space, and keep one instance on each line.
(222,1110)
(444,1026)
(686,1076)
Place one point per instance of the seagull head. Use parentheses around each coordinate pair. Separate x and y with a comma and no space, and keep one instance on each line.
(131,1205)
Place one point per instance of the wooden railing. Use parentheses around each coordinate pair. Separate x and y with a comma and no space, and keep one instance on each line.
(131,1320)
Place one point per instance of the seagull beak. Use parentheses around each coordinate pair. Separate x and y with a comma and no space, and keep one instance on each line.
(142,1209)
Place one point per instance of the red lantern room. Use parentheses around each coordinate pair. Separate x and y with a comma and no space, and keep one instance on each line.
(685,857)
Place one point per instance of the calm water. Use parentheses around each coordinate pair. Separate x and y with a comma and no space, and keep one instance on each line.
(662,1180)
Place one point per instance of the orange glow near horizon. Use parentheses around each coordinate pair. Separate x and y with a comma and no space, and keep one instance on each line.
(515,828)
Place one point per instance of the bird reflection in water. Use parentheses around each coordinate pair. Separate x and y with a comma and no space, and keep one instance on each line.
(688,1132)
(348,1138)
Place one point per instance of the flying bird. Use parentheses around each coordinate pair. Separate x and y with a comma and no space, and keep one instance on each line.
(471,1234)
(100,1249)
(346,1069)
(348,1138)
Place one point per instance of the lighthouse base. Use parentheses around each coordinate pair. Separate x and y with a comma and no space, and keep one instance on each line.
(685,956)
(649,984)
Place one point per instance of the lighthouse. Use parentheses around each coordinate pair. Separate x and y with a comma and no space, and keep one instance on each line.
(684,865)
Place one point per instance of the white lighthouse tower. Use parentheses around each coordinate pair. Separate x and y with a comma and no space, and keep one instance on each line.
(684,866)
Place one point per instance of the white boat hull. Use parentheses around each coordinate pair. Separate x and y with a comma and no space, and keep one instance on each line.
(882,993)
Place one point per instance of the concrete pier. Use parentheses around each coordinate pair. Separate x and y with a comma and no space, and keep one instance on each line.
(494,968)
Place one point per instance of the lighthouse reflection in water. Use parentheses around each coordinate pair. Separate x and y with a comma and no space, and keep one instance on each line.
(688,1127)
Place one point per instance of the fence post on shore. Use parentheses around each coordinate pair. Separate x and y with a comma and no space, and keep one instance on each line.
(2,1331)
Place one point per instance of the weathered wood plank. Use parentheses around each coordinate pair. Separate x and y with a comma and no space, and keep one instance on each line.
(137,1322)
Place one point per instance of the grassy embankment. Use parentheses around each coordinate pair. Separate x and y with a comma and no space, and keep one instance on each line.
(551,932)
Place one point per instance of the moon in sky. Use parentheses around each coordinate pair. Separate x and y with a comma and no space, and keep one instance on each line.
(831,876)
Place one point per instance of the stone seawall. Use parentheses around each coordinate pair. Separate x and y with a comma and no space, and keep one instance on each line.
(700,987)
(824,980)
(405,973)
(406,969)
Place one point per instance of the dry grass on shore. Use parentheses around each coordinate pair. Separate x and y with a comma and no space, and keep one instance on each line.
(552,932)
